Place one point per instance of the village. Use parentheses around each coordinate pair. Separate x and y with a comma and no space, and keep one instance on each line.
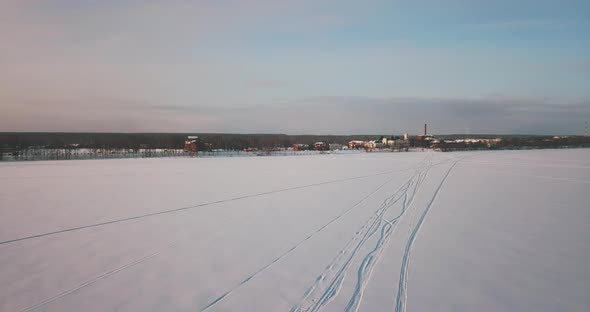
(71,146)
(401,143)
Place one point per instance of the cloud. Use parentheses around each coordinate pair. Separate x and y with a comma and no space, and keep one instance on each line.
(268,84)
(229,66)
(323,115)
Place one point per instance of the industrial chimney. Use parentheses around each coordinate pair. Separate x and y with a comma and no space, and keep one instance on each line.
(425,129)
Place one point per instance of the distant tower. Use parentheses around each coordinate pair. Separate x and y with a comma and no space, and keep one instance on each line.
(425,129)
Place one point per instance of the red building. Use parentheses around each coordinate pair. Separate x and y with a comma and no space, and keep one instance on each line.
(190,144)
(356,144)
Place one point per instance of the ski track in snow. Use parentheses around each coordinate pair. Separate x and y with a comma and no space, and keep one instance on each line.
(371,259)
(377,217)
(247,279)
(321,293)
(90,282)
(401,298)
(328,284)
(192,207)
(154,254)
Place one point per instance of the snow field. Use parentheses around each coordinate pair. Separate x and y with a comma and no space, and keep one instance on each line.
(416,231)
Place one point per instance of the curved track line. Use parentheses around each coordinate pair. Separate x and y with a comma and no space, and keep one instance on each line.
(192,207)
(402,284)
(311,302)
(247,279)
(365,271)
(367,230)
(152,255)
(89,282)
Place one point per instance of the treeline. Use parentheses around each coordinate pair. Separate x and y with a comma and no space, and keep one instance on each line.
(14,141)
(516,142)
(23,140)
(543,142)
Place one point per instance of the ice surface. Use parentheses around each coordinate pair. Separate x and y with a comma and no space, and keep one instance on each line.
(418,231)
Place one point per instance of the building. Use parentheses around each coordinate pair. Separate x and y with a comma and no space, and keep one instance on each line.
(190,144)
(424,140)
(335,146)
(300,147)
(370,144)
(373,144)
(321,146)
(356,144)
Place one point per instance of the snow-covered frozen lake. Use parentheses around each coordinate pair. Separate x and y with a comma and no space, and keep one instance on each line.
(419,231)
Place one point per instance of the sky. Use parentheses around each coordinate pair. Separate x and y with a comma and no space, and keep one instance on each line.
(295,67)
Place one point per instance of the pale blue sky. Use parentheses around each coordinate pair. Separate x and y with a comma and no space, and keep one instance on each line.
(334,67)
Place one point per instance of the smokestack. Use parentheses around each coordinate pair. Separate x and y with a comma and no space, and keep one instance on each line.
(425,129)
